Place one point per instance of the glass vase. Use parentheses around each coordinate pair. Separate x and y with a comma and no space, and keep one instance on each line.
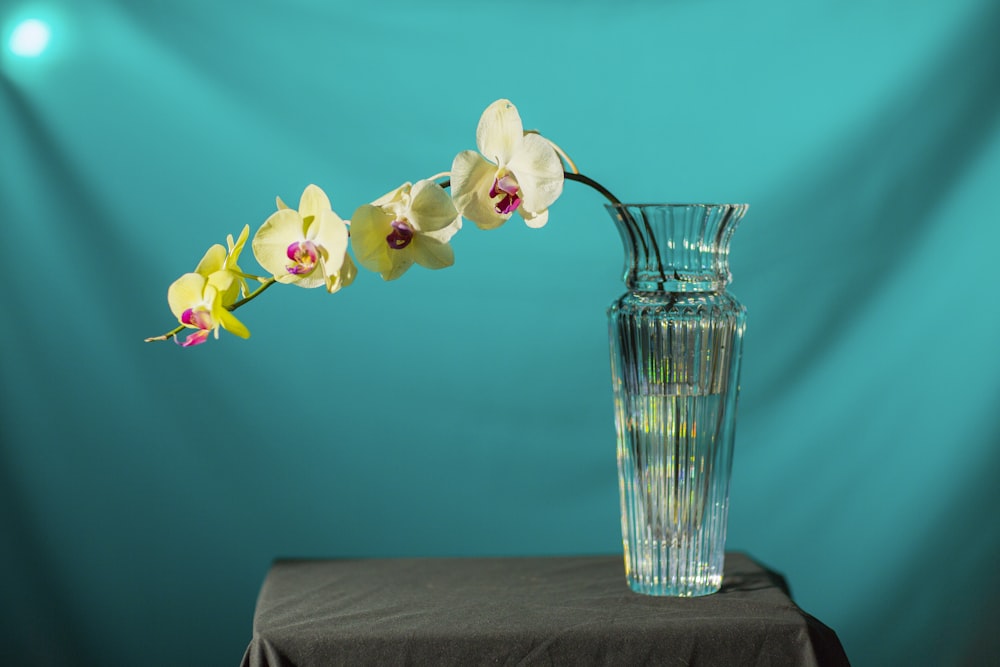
(676,340)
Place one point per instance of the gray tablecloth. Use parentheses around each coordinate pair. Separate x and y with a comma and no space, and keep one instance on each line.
(524,611)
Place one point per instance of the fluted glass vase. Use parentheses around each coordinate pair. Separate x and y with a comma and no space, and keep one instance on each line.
(676,340)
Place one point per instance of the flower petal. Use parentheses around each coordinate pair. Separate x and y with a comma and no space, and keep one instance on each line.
(313,201)
(394,197)
(330,232)
(431,253)
(534,220)
(369,227)
(539,172)
(431,208)
(270,244)
(471,179)
(235,248)
(499,131)
(231,324)
(348,271)
(400,262)
(227,284)
(186,292)
(214,260)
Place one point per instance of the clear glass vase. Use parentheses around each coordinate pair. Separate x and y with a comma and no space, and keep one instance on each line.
(676,341)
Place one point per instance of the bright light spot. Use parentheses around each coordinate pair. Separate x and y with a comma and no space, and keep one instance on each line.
(30,38)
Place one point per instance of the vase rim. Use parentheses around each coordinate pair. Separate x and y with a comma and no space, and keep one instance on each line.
(675,205)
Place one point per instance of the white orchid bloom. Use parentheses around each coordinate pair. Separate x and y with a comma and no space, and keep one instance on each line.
(307,247)
(410,224)
(513,171)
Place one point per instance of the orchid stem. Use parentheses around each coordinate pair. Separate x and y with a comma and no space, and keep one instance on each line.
(252,295)
(167,336)
(623,211)
(586,180)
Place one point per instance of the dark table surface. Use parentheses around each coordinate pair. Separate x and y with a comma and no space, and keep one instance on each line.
(524,611)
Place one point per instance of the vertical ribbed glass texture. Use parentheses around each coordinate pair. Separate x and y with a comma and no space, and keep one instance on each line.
(676,340)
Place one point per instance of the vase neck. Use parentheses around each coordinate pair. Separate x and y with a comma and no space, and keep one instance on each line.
(676,247)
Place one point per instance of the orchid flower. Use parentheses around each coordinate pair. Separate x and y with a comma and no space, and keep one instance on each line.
(515,172)
(410,224)
(196,301)
(307,247)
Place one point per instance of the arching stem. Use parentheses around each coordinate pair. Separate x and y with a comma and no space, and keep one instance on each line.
(623,211)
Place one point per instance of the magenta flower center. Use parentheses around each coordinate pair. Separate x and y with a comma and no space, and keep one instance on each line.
(506,189)
(199,318)
(304,256)
(400,236)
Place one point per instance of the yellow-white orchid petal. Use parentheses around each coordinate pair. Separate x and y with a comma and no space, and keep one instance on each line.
(330,232)
(499,132)
(231,264)
(313,202)
(432,210)
(471,179)
(214,260)
(432,254)
(539,172)
(227,284)
(236,247)
(348,271)
(535,220)
(399,266)
(186,292)
(271,242)
(230,323)
(394,197)
(370,225)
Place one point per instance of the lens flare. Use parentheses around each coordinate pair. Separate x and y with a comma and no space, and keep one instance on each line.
(30,38)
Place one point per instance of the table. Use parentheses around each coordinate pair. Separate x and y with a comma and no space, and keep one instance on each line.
(524,611)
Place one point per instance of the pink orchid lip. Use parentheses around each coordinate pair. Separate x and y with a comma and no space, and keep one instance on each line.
(506,188)
(197,338)
(197,317)
(400,236)
(305,255)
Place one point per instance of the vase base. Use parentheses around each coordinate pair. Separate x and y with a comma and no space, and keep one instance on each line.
(677,589)
(673,572)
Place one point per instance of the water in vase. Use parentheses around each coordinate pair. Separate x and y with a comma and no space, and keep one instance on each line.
(673,509)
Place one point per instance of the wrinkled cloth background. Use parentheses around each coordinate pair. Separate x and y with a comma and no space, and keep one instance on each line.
(145,489)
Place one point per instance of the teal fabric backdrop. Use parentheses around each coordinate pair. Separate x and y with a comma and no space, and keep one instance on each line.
(144,489)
